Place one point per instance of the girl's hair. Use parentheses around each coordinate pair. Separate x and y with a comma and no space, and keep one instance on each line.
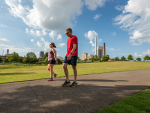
(52,43)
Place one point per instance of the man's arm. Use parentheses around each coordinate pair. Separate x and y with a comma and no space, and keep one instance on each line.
(73,49)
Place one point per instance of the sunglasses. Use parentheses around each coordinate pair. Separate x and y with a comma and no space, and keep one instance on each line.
(67,33)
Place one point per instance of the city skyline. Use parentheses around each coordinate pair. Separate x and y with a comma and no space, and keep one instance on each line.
(121,24)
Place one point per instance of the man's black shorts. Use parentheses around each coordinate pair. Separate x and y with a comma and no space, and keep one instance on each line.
(51,62)
(72,61)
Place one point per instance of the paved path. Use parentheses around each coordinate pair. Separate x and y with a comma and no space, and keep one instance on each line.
(94,92)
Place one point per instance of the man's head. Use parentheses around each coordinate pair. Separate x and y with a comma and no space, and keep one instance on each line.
(68,32)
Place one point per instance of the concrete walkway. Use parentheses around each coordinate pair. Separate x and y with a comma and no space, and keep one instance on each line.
(94,92)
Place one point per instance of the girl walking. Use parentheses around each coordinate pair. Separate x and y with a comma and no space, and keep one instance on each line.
(52,59)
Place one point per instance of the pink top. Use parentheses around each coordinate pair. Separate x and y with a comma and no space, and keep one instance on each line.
(50,55)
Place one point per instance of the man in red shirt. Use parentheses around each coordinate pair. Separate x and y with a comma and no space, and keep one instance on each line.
(71,57)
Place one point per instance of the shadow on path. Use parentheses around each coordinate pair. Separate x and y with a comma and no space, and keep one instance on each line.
(57,99)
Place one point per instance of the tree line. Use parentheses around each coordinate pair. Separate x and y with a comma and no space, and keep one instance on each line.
(130,57)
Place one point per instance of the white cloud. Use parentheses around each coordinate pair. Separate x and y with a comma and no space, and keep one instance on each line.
(99,40)
(45,15)
(110,49)
(39,44)
(59,37)
(32,40)
(53,34)
(94,4)
(91,35)
(143,54)
(17,50)
(96,17)
(44,32)
(135,18)
(36,33)
(61,45)
(120,7)
(2,25)
(92,43)
(114,33)
(4,39)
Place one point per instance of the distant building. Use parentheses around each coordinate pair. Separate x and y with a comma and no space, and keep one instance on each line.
(41,54)
(100,52)
(30,54)
(84,56)
(90,56)
(61,58)
(7,51)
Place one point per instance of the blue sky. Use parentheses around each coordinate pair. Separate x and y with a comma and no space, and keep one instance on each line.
(30,25)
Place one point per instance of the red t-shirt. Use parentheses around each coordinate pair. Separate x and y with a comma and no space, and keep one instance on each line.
(72,40)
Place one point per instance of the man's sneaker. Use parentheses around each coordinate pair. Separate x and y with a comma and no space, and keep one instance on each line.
(74,84)
(66,83)
(55,76)
(51,79)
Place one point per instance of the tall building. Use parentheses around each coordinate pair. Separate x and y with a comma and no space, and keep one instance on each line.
(95,45)
(104,49)
(30,54)
(90,56)
(100,52)
(84,56)
(41,54)
(7,51)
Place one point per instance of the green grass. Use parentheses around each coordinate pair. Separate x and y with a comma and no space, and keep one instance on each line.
(138,103)
(13,73)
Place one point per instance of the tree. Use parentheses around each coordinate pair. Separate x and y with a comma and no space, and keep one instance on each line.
(33,59)
(96,58)
(117,58)
(59,61)
(85,60)
(100,60)
(147,58)
(79,59)
(45,56)
(105,58)
(20,59)
(1,59)
(8,59)
(123,58)
(138,59)
(130,57)
(15,57)
(26,59)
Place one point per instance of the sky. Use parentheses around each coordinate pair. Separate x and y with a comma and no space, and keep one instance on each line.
(31,25)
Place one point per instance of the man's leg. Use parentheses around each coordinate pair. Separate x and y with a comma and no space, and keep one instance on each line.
(75,73)
(66,70)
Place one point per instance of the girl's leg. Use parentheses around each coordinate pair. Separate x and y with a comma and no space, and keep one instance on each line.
(48,67)
(51,70)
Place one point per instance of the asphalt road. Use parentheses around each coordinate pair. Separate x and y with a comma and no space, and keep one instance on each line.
(94,92)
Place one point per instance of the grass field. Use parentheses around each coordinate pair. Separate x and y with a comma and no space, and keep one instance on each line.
(13,73)
(138,103)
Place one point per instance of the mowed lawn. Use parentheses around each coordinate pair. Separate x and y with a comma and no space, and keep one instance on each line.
(12,73)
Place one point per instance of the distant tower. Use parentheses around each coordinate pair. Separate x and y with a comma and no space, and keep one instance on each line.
(30,54)
(104,49)
(100,52)
(84,56)
(41,54)
(7,51)
(95,45)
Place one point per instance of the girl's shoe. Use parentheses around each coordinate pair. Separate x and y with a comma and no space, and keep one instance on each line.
(55,76)
(51,79)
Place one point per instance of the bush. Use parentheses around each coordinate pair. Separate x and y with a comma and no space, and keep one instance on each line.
(1,59)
